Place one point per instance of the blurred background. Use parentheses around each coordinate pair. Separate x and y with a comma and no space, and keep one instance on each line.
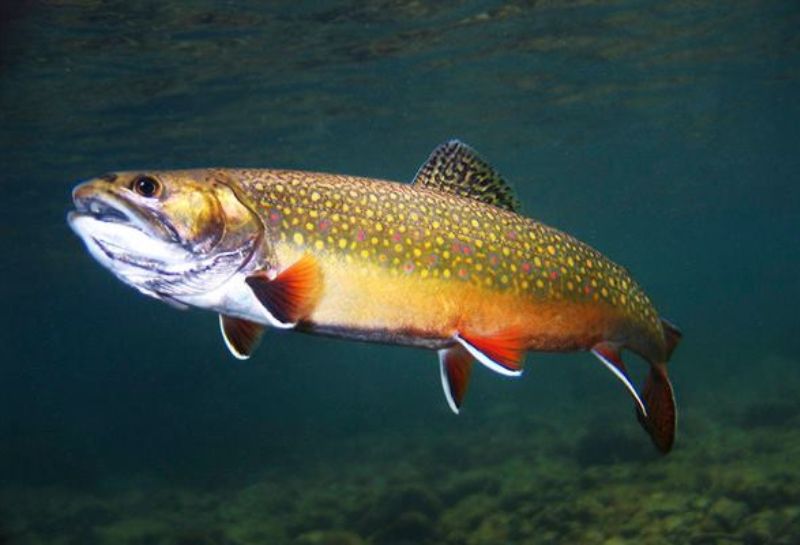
(665,134)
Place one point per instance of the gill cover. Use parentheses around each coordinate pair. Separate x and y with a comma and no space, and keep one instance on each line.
(168,234)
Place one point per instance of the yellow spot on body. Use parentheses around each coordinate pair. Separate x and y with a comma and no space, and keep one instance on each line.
(551,249)
(310,226)
(298,238)
(604,291)
(446,273)
(364,253)
(315,196)
(342,243)
(379,227)
(398,247)
(539,283)
(319,245)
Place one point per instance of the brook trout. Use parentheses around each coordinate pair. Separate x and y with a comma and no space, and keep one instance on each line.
(446,263)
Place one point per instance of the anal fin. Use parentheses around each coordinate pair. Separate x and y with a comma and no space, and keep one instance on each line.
(455,366)
(240,336)
(502,352)
(609,355)
(292,294)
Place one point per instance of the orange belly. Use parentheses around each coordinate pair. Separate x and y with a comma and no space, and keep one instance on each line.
(358,298)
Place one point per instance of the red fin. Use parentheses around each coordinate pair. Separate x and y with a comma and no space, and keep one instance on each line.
(501,352)
(608,353)
(662,416)
(240,336)
(292,294)
(455,365)
(672,336)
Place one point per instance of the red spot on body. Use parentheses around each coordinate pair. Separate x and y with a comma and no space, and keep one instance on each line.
(494,260)
(587,289)
(466,249)
(463,272)
(325,224)
(397,237)
(526,267)
(456,247)
(512,235)
(433,259)
(553,275)
(408,267)
(361,235)
(274,216)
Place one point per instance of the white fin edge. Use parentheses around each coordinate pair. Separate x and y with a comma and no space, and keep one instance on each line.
(625,380)
(274,322)
(485,360)
(232,349)
(448,394)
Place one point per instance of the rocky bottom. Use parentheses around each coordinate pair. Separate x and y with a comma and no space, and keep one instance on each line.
(733,479)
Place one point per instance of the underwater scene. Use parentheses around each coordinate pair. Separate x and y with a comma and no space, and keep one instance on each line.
(665,135)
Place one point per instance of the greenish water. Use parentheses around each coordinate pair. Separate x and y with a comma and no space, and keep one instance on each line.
(663,133)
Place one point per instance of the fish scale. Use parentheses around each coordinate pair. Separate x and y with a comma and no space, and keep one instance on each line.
(429,234)
(446,263)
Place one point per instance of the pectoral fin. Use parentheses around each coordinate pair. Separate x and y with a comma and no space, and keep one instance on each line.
(609,354)
(455,366)
(501,352)
(241,336)
(292,294)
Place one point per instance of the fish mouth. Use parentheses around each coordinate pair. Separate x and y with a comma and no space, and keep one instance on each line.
(101,210)
(113,208)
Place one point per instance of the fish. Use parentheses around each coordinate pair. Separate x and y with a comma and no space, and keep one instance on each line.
(446,263)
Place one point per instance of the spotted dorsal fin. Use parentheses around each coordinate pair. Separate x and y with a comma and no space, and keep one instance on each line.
(455,168)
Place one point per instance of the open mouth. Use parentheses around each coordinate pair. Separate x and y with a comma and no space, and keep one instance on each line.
(101,210)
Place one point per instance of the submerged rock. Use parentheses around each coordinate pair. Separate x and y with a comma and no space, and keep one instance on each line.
(329,537)
(400,512)
(728,513)
(409,527)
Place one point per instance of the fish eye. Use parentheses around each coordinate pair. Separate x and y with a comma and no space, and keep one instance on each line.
(146,186)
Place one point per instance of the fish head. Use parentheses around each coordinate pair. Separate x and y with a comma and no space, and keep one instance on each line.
(168,234)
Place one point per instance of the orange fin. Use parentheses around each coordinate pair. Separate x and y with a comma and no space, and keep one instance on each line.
(608,353)
(455,366)
(292,294)
(240,336)
(501,352)
(672,336)
(662,418)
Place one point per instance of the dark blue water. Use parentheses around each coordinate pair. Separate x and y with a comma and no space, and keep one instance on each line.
(664,134)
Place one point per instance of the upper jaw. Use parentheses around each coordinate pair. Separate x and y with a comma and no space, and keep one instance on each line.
(109,207)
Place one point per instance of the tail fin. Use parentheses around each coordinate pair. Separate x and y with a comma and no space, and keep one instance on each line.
(662,416)
(672,336)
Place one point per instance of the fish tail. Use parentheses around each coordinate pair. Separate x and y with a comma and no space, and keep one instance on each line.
(661,421)
(662,416)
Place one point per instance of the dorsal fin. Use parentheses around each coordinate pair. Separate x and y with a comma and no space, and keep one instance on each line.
(454,167)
